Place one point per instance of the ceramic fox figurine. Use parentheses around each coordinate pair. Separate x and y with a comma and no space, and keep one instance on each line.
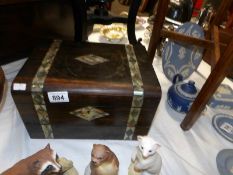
(103,161)
(145,160)
(41,163)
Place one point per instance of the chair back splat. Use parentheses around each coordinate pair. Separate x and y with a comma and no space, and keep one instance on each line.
(84,21)
(80,19)
(221,54)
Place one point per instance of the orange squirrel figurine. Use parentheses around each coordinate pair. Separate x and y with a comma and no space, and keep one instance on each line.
(41,163)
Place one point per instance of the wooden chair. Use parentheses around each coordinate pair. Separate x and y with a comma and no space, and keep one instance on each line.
(84,21)
(220,62)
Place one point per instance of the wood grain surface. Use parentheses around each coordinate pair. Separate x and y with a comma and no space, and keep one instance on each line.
(107,86)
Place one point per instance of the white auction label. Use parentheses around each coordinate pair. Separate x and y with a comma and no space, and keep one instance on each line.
(19,86)
(58,97)
(227,127)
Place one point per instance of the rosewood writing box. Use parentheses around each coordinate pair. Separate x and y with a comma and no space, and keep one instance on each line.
(86,91)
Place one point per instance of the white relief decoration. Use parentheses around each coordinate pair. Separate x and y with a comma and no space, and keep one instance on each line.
(196,34)
(182,53)
(224,90)
(182,30)
(222,107)
(171,73)
(170,102)
(218,95)
(184,94)
(179,108)
(167,53)
(197,55)
(185,72)
(188,32)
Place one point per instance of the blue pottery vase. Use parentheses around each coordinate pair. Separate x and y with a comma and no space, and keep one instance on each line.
(181,95)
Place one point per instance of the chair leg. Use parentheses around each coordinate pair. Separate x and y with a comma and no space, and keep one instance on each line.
(157,27)
(215,53)
(213,81)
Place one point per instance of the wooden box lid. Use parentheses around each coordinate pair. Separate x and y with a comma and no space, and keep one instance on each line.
(90,69)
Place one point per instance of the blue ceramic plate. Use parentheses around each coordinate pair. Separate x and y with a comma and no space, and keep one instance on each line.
(222,98)
(180,58)
(224,162)
(223,124)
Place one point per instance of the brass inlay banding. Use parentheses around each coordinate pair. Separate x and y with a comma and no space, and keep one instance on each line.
(37,88)
(138,93)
